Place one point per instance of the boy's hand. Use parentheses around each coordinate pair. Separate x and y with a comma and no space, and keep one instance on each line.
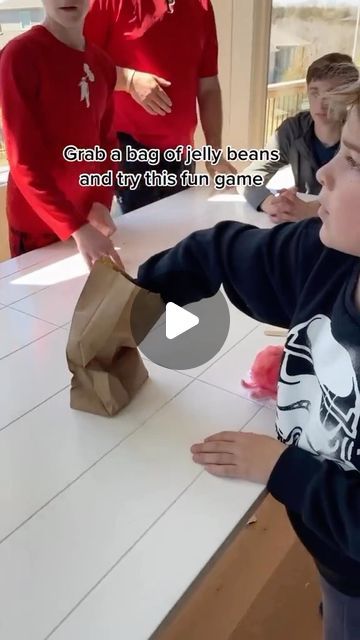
(147,90)
(92,245)
(100,218)
(239,455)
(223,166)
(288,207)
(276,206)
(299,210)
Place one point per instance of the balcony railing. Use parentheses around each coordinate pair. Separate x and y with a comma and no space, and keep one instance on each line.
(284,99)
(3,159)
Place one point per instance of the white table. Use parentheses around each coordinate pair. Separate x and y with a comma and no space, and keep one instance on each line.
(105,523)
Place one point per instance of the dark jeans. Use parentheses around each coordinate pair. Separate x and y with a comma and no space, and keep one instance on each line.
(341,614)
(21,242)
(143,195)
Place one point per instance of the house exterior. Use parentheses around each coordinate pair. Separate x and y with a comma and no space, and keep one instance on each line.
(287,52)
(18,15)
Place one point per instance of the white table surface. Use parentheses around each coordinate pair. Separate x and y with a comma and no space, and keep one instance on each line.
(105,523)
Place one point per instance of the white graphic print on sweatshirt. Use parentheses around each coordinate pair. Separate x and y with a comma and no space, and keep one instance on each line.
(84,84)
(318,394)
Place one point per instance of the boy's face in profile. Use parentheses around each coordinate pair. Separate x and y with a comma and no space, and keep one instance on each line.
(67,13)
(340,195)
(318,100)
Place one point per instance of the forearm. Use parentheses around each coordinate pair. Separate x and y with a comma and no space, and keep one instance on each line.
(266,169)
(124,77)
(256,196)
(197,266)
(30,170)
(211,115)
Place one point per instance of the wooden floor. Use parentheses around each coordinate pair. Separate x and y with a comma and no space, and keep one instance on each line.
(264,587)
(287,606)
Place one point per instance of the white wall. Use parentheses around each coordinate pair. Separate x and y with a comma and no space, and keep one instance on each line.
(243,32)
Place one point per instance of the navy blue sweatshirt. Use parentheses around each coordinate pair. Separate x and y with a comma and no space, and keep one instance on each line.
(285,276)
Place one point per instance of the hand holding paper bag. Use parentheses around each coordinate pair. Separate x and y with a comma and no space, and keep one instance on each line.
(102,353)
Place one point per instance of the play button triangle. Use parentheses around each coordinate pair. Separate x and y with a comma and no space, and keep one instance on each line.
(178,320)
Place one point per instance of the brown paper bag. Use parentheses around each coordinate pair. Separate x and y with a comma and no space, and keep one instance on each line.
(101,351)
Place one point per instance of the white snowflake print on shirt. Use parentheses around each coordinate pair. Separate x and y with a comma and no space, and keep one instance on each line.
(84,84)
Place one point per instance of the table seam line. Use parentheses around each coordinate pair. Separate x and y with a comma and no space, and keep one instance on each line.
(116,445)
(8,275)
(85,471)
(31,315)
(7,304)
(233,393)
(198,376)
(132,546)
(53,329)
(33,408)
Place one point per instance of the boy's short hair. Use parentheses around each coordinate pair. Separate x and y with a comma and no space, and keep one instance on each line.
(333,65)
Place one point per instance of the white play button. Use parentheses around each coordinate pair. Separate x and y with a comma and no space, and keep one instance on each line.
(178,320)
(186,336)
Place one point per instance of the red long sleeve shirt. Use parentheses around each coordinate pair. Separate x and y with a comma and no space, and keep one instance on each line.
(180,47)
(51,96)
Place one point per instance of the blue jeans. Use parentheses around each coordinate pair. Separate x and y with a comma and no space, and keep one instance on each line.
(341,617)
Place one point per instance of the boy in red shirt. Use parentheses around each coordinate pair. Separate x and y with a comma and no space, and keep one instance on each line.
(56,90)
(166,53)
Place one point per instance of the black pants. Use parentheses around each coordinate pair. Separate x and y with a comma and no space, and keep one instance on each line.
(341,614)
(143,195)
(21,242)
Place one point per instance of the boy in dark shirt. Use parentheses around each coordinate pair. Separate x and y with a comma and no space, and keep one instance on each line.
(305,141)
(305,277)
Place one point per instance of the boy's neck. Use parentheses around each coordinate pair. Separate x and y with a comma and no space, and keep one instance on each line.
(73,38)
(329,133)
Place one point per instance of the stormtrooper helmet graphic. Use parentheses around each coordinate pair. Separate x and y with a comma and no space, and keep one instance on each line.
(84,84)
(318,395)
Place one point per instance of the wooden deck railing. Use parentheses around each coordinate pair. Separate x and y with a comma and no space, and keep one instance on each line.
(284,99)
(3,159)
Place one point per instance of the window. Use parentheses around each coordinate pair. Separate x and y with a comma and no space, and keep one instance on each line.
(25,19)
(302,31)
(15,16)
